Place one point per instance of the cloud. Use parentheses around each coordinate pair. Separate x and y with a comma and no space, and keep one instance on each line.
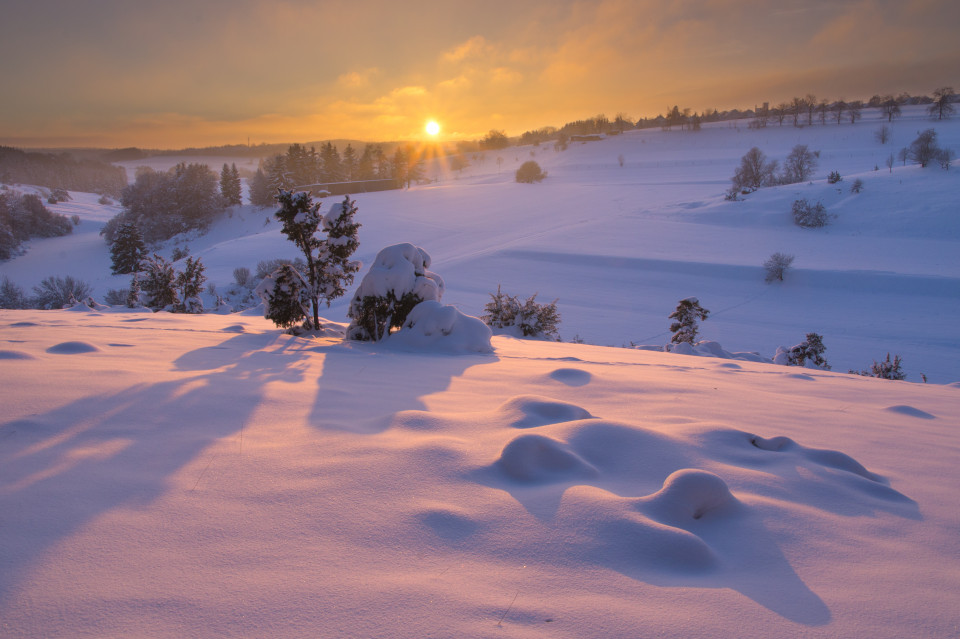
(358,79)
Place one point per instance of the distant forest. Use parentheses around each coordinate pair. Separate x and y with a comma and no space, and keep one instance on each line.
(60,171)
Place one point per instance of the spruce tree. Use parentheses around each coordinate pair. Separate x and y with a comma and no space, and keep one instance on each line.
(127,250)
(260,192)
(159,284)
(687,314)
(285,296)
(189,284)
(230,185)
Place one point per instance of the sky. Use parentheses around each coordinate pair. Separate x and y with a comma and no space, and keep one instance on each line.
(178,73)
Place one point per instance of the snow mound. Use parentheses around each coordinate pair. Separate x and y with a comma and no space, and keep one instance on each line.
(529,411)
(707,348)
(535,458)
(4,354)
(448,523)
(689,494)
(439,327)
(72,348)
(910,411)
(400,269)
(571,376)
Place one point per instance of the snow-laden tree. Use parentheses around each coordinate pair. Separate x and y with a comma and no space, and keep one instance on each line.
(397,281)
(532,318)
(189,285)
(807,353)
(158,285)
(327,242)
(687,315)
(285,296)
(128,249)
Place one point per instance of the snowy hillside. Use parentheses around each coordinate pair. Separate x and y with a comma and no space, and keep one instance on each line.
(619,246)
(175,476)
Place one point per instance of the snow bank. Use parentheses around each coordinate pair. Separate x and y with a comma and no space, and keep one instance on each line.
(439,327)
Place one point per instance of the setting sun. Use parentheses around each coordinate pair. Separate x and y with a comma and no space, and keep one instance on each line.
(432,127)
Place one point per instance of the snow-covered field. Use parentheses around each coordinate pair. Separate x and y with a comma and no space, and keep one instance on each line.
(168,475)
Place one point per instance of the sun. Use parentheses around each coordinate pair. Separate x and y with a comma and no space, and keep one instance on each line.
(432,127)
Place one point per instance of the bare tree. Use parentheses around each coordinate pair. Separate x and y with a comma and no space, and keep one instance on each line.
(799,165)
(890,108)
(797,107)
(853,111)
(890,162)
(838,108)
(754,171)
(822,110)
(882,134)
(776,265)
(811,103)
(781,111)
(942,106)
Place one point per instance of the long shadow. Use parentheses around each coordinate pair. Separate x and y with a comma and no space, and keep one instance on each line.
(61,469)
(363,385)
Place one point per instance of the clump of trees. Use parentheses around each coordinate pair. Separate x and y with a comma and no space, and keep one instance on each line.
(165,288)
(530,172)
(163,204)
(756,171)
(925,150)
(532,318)
(56,292)
(23,216)
(327,243)
(230,185)
(687,316)
(809,215)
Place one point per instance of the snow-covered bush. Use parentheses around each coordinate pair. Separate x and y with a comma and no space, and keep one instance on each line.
(807,353)
(885,369)
(159,283)
(809,215)
(241,275)
(189,284)
(397,281)
(284,295)
(533,319)
(56,292)
(116,296)
(687,315)
(435,326)
(856,186)
(530,172)
(776,265)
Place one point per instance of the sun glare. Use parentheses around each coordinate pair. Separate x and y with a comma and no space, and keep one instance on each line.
(432,127)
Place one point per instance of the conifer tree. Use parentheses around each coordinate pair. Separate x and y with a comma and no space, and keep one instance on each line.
(159,284)
(285,296)
(189,284)
(127,250)
(687,315)
(230,185)
(329,269)
(260,192)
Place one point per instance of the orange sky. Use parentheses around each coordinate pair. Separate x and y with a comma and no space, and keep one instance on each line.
(179,73)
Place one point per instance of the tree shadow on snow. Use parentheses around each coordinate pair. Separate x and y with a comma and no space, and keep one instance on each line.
(62,469)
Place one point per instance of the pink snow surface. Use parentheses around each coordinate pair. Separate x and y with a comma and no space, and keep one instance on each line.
(209,476)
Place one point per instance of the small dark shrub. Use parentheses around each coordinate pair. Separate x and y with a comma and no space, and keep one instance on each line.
(885,369)
(530,172)
(241,275)
(533,319)
(56,292)
(116,296)
(688,314)
(834,177)
(811,349)
(776,265)
(11,295)
(809,215)
(856,186)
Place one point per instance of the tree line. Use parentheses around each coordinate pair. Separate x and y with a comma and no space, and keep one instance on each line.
(60,171)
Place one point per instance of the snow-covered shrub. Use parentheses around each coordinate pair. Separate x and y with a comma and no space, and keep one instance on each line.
(104,200)
(267,267)
(11,295)
(56,292)
(885,369)
(75,219)
(807,353)
(530,172)
(834,177)
(432,325)
(284,296)
(809,215)
(397,281)
(687,315)
(944,157)
(856,186)
(533,319)
(58,195)
(776,265)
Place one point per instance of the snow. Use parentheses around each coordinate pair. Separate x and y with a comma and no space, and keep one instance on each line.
(169,475)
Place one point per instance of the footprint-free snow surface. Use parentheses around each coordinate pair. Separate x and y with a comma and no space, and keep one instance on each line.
(216,477)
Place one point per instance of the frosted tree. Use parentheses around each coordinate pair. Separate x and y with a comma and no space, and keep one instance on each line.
(127,249)
(159,284)
(398,280)
(285,296)
(687,315)
(807,353)
(327,242)
(189,284)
